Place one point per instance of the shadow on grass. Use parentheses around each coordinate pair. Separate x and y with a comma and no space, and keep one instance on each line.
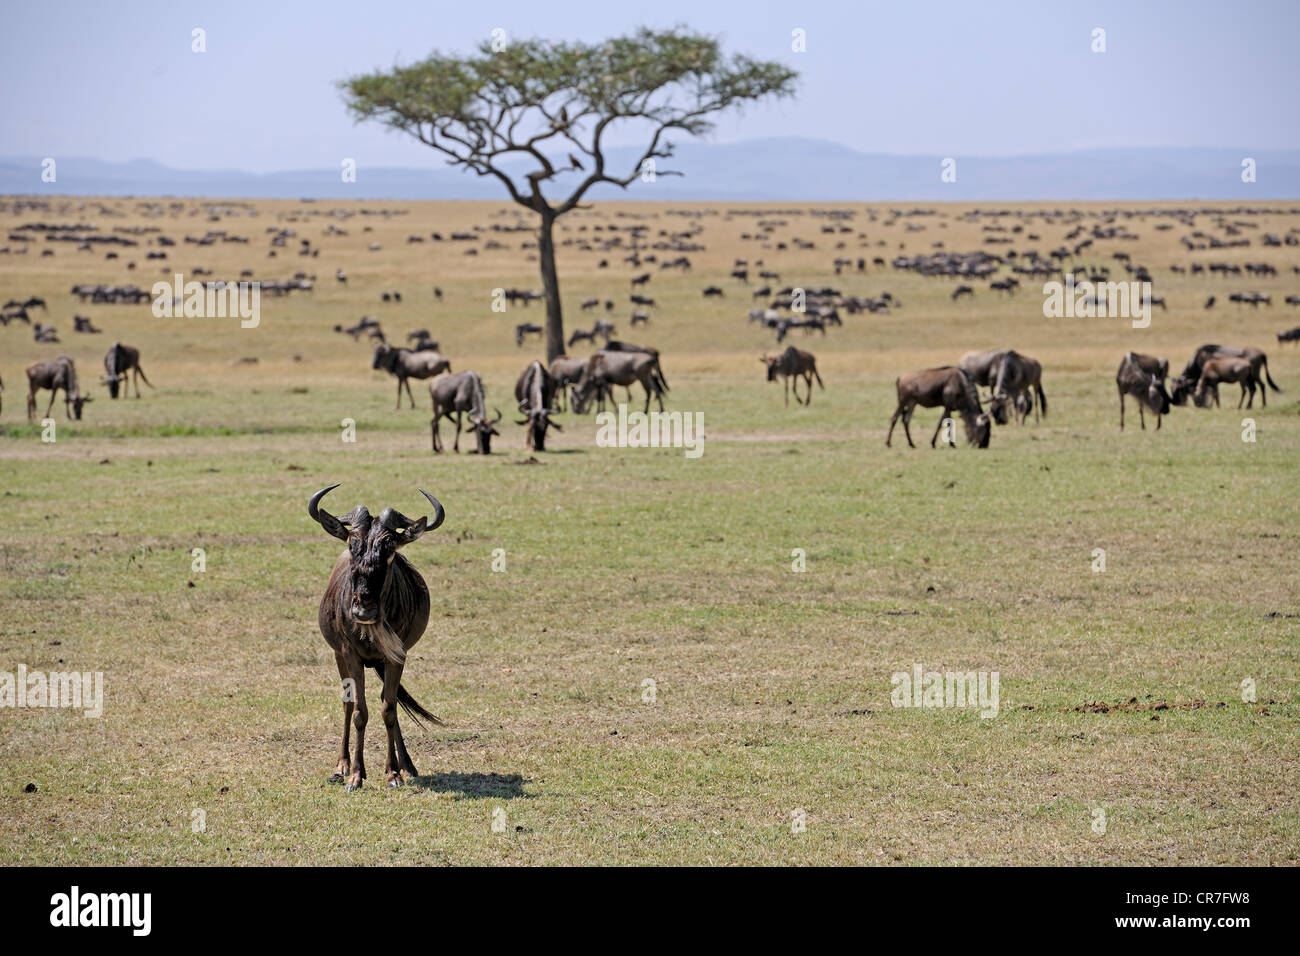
(473,786)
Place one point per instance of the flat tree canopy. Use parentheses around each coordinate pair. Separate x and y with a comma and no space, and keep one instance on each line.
(531,101)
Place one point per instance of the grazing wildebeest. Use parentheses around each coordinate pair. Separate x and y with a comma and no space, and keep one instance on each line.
(1143,377)
(581,334)
(405,365)
(565,370)
(603,328)
(535,393)
(55,374)
(1186,383)
(455,395)
(120,362)
(1227,368)
(792,365)
(640,316)
(948,387)
(1291,335)
(980,365)
(527,328)
(618,367)
(375,609)
(1013,376)
(962,290)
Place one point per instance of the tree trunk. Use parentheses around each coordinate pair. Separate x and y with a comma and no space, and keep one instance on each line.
(551,287)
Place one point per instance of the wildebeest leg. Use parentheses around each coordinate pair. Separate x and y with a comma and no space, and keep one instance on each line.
(786,379)
(935,437)
(433,429)
(388,710)
(407,383)
(344,764)
(1142,418)
(53,393)
(455,445)
(135,377)
(359,717)
(399,393)
(1121,409)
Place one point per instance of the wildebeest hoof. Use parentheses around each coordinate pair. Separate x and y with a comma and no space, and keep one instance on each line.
(354,786)
(395,782)
(337,777)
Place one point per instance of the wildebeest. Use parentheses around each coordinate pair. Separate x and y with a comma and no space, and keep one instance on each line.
(566,370)
(456,394)
(1291,335)
(122,362)
(535,393)
(980,365)
(1143,377)
(375,609)
(527,328)
(792,365)
(1227,368)
(1186,383)
(405,365)
(948,387)
(618,367)
(55,374)
(1014,376)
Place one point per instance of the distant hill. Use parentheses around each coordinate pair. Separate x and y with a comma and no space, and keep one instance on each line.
(787,168)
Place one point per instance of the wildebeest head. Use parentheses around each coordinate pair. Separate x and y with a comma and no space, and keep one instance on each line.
(483,432)
(998,408)
(538,420)
(978,429)
(78,402)
(771,362)
(383,355)
(1183,389)
(373,544)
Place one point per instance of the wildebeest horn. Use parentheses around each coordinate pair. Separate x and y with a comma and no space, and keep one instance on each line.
(438,513)
(326,520)
(498,418)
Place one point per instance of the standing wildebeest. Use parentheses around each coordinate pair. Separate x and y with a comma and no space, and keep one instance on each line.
(948,387)
(55,374)
(535,393)
(1143,377)
(565,370)
(375,609)
(406,365)
(1017,379)
(527,328)
(980,365)
(454,395)
(792,365)
(1186,383)
(1291,335)
(119,363)
(616,367)
(1227,368)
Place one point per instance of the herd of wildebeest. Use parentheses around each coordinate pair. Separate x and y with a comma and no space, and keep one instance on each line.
(1013,381)
(376,605)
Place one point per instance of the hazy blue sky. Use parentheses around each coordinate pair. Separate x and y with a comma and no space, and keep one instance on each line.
(117,80)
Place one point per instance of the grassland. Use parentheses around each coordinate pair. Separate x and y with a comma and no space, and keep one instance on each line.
(772,688)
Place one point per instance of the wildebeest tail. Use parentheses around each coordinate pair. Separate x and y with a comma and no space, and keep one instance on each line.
(1042,399)
(1270,377)
(413,708)
(409,704)
(663,383)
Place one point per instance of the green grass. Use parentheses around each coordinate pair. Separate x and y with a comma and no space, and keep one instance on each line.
(772,687)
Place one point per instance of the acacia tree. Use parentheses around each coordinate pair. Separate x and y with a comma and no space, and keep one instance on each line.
(532,100)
